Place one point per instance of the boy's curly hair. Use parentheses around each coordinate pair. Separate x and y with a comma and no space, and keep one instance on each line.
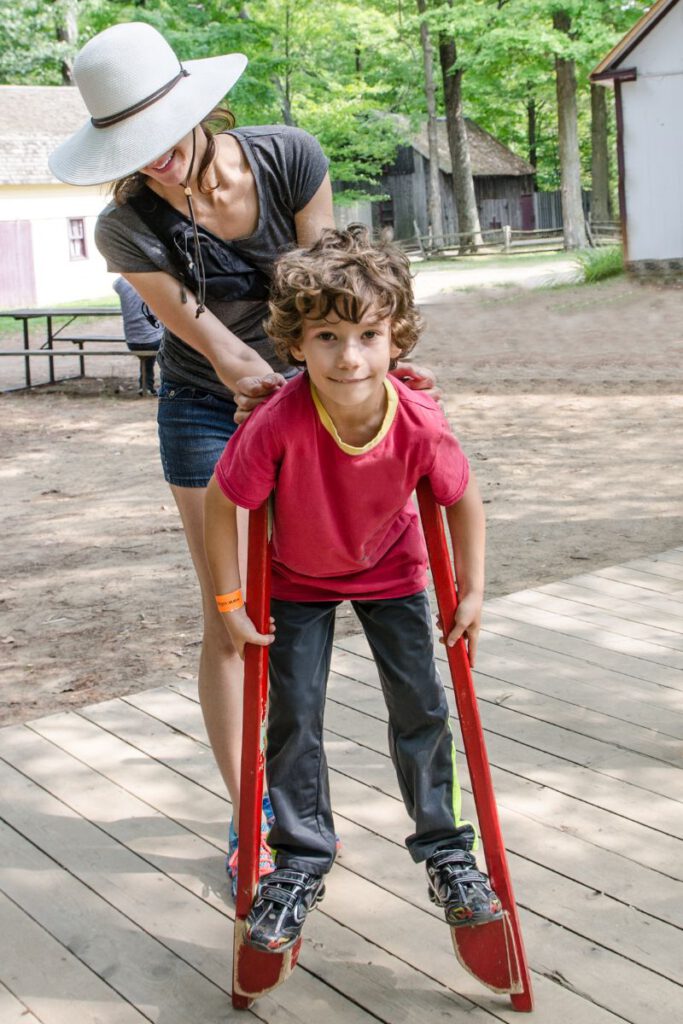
(343,273)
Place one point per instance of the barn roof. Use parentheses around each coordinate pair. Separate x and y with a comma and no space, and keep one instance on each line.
(489,157)
(609,67)
(34,119)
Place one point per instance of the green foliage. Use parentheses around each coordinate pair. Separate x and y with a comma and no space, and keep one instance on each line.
(599,264)
(507,50)
(30,53)
(331,67)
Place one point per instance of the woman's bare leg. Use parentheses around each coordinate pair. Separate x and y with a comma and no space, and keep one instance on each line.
(220,668)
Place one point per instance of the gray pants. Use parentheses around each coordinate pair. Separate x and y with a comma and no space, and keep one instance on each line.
(399,632)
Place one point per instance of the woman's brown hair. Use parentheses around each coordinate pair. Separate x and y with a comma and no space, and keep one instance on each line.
(346,274)
(219,120)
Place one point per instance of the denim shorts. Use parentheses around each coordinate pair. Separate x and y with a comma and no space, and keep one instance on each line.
(194,428)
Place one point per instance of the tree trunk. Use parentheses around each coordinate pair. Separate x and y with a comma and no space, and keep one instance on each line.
(532,130)
(66,30)
(458,144)
(282,89)
(570,165)
(284,85)
(434,194)
(600,206)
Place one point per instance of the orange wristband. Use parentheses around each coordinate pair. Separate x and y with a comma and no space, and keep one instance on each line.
(229,602)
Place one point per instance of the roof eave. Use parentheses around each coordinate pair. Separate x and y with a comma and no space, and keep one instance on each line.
(616,75)
(607,70)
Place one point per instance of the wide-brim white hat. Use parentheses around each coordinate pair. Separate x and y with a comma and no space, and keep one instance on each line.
(142,101)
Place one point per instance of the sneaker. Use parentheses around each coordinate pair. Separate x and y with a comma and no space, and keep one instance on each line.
(277,916)
(461,889)
(266,863)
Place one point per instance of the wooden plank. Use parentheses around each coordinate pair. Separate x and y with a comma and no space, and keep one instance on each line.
(596,636)
(536,684)
(560,676)
(585,656)
(605,777)
(198,867)
(573,905)
(657,566)
(585,968)
(157,930)
(394,927)
(629,626)
(11,1010)
(527,788)
(639,578)
(672,555)
(652,610)
(54,983)
(555,842)
(384,922)
(570,854)
(530,781)
(142,969)
(510,623)
(525,649)
(630,592)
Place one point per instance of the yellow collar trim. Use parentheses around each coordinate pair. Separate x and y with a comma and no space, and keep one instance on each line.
(350,449)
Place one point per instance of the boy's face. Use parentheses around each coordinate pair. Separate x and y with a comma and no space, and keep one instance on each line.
(348,362)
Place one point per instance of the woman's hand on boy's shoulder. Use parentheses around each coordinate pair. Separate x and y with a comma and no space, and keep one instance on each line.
(251,391)
(243,631)
(417,378)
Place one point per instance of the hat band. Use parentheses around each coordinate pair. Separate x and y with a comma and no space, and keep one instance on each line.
(106,122)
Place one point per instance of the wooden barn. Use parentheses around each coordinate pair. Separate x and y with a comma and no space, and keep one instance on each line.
(646,70)
(503,184)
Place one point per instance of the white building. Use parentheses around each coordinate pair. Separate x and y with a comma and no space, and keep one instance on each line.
(47,249)
(646,69)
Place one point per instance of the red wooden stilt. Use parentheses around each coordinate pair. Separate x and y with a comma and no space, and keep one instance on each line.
(254,972)
(493,953)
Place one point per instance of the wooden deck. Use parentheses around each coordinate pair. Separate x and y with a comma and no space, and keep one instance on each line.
(113,902)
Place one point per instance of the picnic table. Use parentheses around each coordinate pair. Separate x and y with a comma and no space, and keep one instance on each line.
(53,334)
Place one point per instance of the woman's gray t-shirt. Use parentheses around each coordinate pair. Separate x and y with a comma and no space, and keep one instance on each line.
(288,167)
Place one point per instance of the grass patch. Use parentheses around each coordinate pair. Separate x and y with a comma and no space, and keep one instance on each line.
(494,261)
(11,329)
(599,264)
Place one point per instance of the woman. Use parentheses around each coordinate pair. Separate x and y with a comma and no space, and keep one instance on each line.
(196,223)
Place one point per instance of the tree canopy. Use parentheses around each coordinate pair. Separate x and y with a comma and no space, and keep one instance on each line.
(332,68)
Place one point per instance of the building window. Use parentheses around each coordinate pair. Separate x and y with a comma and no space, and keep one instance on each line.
(77,248)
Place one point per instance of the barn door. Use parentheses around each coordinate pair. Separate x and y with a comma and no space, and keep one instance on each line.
(17,280)
(528,218)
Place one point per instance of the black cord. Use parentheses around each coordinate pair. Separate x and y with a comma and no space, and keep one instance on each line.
(199,258)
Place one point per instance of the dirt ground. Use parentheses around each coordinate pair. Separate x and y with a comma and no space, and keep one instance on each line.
(568,401)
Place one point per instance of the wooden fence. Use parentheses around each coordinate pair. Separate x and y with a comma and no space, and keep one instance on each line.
(505,241)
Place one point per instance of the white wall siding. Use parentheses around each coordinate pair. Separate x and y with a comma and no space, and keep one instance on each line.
(653,143)
(48,208)
(661,49)
(653,147)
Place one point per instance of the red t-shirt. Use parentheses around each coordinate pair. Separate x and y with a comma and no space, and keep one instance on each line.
(344,523)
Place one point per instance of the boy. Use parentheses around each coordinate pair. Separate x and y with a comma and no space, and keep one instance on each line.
(342,447)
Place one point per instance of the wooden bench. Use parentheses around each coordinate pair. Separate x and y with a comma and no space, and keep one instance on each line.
(54,353)
(116,345)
